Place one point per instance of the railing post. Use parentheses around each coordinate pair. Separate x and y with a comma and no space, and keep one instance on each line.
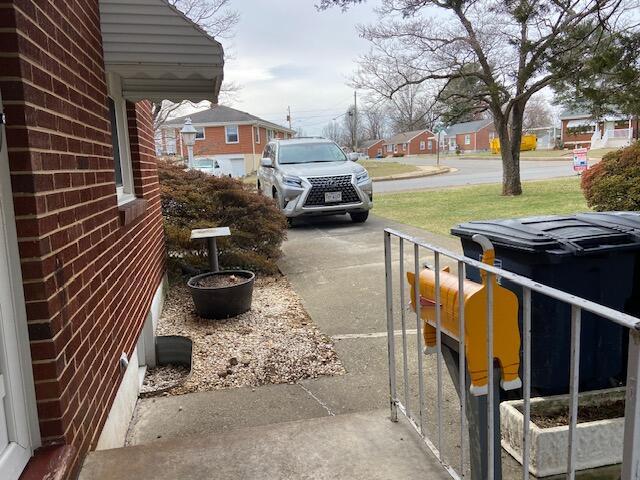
(393,400)
(631,452)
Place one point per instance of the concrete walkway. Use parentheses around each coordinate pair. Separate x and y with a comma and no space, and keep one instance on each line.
(364,446)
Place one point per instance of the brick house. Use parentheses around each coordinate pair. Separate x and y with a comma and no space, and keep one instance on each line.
(81,240)
(472,136)
(580,129)
(233,138)
(372,148)
(416,142)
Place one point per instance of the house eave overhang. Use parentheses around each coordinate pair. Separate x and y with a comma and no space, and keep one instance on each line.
(158,53)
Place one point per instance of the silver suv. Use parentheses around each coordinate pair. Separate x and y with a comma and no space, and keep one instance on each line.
(312,176)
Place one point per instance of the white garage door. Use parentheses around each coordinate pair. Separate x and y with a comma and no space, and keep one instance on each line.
(231,165)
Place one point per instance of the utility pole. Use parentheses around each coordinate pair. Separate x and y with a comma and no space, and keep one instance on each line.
(355,121)
(289,116)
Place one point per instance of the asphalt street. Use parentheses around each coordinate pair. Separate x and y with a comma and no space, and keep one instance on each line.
(474,171)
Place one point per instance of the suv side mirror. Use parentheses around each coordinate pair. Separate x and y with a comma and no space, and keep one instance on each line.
(266,162)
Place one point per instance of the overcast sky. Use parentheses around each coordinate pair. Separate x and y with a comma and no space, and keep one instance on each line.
(287,53)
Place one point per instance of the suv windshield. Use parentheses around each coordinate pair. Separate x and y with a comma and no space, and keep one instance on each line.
(310,153)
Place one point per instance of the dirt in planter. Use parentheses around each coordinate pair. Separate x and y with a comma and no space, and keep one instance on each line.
(559,417)
(220,281)
(162,378)
(275,342)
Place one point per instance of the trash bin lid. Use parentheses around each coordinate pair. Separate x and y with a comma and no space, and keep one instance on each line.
(550,234)
(623,221)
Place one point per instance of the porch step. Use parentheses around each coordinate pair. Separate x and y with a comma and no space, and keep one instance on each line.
(357,446)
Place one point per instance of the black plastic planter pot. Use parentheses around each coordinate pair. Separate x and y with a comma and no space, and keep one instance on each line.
(223,302)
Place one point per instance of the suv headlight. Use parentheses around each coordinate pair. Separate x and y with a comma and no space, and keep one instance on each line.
(362,176)
(292,181)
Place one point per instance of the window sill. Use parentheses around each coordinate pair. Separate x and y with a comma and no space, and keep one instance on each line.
(124,198)
(132,210)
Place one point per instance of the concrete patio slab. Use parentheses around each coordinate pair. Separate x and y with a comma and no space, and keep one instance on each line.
(219,411)
(364,446)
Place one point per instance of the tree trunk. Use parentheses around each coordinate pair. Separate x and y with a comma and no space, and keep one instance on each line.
(510,153)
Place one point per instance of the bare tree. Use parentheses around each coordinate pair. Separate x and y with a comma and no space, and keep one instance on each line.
(412,108)
(375,122)
(352,127)
(506,45)
(215,16)
(333,131)
(537,113)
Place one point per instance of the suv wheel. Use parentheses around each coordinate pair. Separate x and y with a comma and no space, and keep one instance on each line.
(359,217)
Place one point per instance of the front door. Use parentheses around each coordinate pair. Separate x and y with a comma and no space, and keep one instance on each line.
(15,448)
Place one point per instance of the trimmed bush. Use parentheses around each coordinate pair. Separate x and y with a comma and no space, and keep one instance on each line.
(614,183)
(192,199)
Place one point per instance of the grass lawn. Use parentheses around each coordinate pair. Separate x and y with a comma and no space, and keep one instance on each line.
(379,169)
(595,154)
(439,210)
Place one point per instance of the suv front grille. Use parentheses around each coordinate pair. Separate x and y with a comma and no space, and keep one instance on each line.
(322,185)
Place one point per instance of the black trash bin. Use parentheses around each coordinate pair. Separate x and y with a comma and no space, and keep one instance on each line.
(628,222)
(588,259)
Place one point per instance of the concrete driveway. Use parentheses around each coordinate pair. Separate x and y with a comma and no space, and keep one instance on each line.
(474,171)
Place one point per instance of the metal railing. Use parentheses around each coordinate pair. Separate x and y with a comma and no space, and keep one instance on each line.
(631,448)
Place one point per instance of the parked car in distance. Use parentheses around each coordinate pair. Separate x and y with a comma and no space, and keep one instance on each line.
(313,176)
(208,165)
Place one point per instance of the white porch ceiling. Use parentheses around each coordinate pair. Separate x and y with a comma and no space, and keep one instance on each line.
(159,53)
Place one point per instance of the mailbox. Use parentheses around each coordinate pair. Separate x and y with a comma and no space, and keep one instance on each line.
(506,333)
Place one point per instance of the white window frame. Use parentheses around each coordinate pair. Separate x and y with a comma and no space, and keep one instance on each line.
(204,135)
(467,139)
(423,145)
(226,134)
(125,193)
(256,130)
(404,147)
(430,145)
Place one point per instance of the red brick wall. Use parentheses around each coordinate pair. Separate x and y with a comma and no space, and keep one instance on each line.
(88,280)
(372,151)
(483,137)
(414,145)
(214,142)
(584,139)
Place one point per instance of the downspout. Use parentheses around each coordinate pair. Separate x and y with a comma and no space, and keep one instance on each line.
(253,145)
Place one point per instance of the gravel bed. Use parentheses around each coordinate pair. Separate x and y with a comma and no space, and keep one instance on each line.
(159,379)
(275,342)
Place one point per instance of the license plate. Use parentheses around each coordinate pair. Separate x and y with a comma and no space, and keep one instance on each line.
(330,197)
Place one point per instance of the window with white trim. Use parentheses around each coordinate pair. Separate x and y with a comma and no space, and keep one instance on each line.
(467,139)
(430,145)
(404,146)
(199,133)
(231,133)
(422,145)
(256,134)
(123,171)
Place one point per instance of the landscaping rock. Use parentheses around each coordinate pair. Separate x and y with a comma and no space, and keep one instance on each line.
(275,342)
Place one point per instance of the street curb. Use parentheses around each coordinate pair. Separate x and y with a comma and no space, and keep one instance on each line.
(406,176)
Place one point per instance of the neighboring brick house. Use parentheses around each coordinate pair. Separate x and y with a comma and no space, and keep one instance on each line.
(417,142)
(81,238)
(580,129)
(472,136)
(233,138)
(372,148)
